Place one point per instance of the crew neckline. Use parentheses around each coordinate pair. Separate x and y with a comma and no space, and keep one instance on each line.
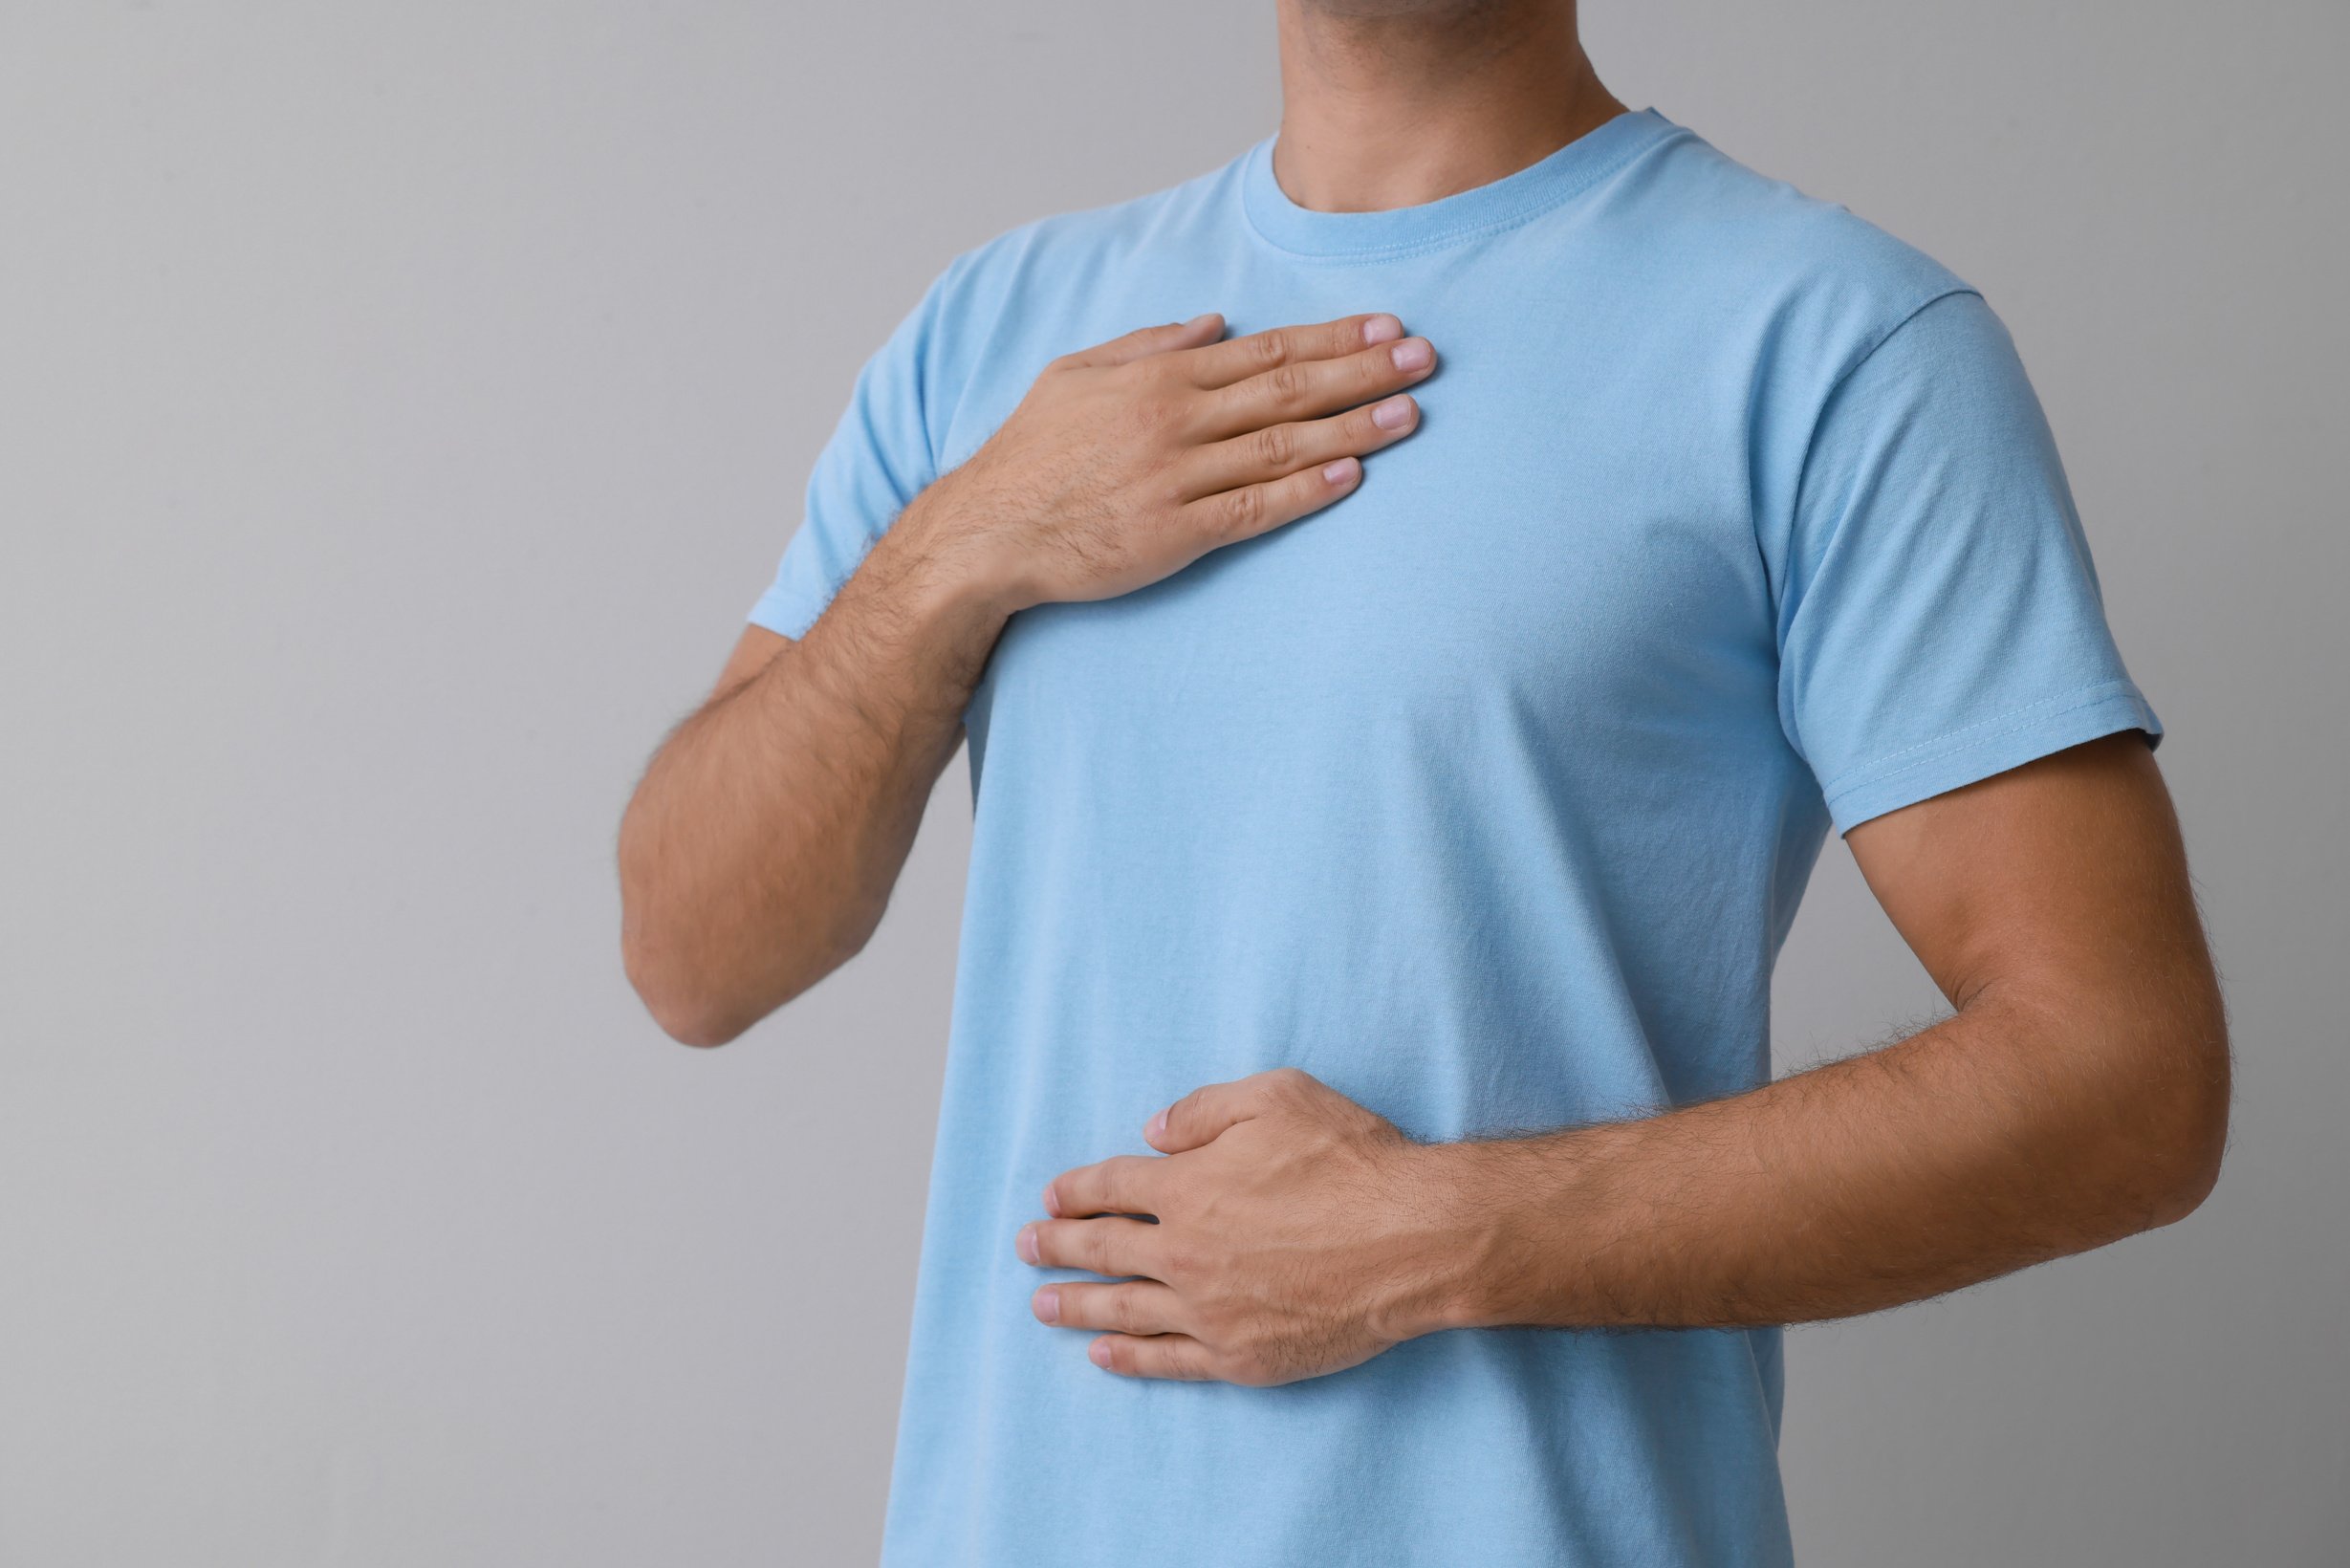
(1513,197)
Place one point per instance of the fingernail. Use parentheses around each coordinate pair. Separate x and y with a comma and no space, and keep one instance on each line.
(1048,1305)
(1158,1126)
(1099,1353)
(1052,1204)
(1200,320)
(1412,353)
(1381,329)
(1024,1244)
(1393,414)
(1340,472)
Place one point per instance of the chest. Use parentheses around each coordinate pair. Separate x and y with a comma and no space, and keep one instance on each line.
(1567,538)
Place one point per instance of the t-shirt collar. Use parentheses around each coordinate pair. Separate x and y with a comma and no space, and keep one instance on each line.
(1513,198)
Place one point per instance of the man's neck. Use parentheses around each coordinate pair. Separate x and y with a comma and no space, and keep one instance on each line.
(1389,103)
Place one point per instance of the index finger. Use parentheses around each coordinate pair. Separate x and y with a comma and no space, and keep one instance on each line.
(1125,1184)
(1200,1116)
(1238,358)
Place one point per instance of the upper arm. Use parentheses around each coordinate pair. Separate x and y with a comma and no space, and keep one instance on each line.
(881,453)
(1939,620)
(752,653)
(2067,871)
(2056,894)
(878,458)
(1946,671)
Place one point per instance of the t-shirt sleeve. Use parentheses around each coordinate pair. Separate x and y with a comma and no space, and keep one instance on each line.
(880,456)
(1939,618)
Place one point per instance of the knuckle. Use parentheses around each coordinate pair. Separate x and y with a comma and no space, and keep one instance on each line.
(1259,1357)
(1099,1186)
(1156,371)
(1148,415)
(1118,1185)
(1171,1182)
(1275,447)
(1289,384)
(1177,1260)
(1160,411)
(1269,350)
(1081,1246)
(1168,485)
(1240,511)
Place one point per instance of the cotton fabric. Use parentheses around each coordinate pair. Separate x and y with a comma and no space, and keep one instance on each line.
(1487,795)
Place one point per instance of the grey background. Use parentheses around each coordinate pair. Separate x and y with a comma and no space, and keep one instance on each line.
(400,407)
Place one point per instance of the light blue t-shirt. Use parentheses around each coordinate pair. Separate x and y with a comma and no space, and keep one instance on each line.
(1485,795)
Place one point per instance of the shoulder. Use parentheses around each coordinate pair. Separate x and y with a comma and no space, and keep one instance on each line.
(1004,299)
(1045,257)
(1807,277)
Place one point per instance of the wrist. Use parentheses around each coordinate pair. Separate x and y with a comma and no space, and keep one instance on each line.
(960,567)
(1463,1251)
(1501,1203)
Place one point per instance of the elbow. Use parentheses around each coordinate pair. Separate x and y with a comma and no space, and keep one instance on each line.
(2192,1170)
(690,1013)
(696,1005)
(708,968)
(2187,1133)
(700,1026)
(692,1003)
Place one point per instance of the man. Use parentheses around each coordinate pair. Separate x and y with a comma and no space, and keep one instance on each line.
(1383,835)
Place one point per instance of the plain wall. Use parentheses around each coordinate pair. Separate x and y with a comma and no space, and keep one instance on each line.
(401,407)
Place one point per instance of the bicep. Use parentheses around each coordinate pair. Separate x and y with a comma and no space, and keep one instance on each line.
(2067,873)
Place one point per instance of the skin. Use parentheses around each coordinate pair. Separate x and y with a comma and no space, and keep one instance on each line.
(2077,1094)
(759,850)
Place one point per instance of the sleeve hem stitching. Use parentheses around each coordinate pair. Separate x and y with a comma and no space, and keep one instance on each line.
(1890,766)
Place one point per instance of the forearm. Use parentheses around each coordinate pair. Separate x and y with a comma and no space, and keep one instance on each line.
(767,831)
(2005,1136)
(761,847)
(2081,1092)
